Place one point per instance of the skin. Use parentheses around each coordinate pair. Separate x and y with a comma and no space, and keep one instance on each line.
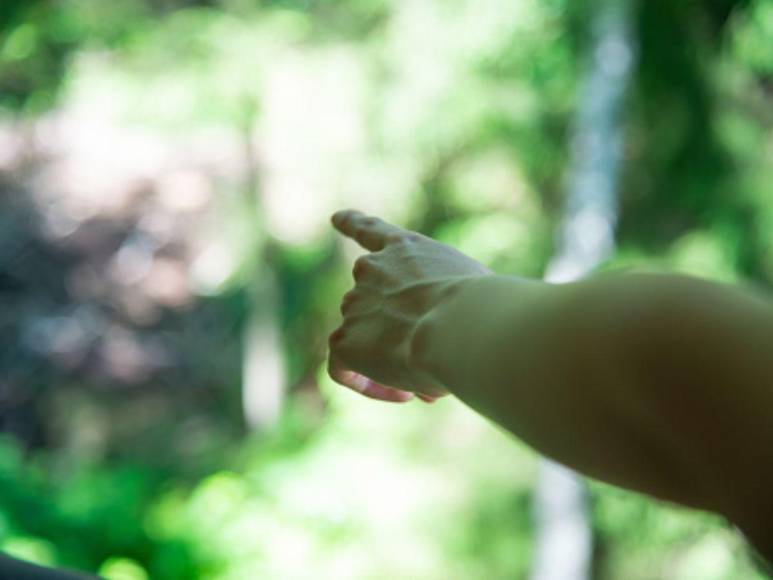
(658,383)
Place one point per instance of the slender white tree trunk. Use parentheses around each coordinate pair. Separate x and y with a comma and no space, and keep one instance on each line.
(564,543)
(263,376)
(263,372)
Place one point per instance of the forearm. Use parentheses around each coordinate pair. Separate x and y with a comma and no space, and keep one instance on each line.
(655,383)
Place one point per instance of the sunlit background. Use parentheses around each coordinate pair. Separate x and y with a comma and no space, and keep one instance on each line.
(168,276)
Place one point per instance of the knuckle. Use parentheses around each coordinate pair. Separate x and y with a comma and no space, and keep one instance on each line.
(396,238)
(347,301)
(358,232)
(403,238)
(361,266)
(336,337)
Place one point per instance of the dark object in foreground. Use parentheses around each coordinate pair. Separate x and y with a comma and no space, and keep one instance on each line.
(12,569)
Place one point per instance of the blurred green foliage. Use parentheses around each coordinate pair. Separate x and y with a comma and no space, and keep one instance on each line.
(464,109)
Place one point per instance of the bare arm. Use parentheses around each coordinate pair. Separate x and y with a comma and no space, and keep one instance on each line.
(658,383)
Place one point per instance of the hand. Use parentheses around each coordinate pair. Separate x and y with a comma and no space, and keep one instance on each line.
(403,278)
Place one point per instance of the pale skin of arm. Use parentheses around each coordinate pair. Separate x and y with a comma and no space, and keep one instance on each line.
(658,383)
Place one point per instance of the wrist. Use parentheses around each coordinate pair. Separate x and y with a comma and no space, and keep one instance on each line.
(452,342)
(431,344)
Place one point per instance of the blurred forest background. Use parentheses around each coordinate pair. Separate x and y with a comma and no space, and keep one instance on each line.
(168,277)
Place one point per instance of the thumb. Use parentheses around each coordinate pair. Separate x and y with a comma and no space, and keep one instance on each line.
(364,385)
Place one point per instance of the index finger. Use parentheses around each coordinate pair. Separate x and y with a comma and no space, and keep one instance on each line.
(370,232)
